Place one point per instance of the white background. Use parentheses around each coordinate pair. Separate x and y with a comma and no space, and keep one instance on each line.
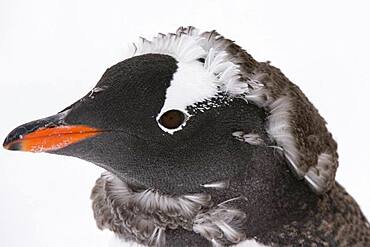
(53,52)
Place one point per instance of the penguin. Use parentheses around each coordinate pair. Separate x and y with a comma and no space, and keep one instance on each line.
(203,146)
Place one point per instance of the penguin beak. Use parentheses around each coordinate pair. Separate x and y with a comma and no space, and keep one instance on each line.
(47,134)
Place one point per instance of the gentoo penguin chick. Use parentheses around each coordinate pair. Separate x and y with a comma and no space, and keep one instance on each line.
(203,146)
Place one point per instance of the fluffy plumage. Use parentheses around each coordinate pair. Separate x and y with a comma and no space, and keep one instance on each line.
(143,216)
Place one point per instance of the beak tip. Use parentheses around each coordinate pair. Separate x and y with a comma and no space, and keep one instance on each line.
(11,144)
(6,142)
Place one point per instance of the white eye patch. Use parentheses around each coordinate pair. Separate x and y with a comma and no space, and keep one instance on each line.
(191,84)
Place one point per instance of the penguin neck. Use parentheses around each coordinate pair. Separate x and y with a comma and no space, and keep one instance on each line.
(251,205)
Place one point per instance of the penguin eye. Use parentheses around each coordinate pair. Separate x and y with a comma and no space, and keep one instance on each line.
(172,119)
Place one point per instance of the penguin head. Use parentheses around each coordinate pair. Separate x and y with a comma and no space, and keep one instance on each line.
(153,121)
(183,112)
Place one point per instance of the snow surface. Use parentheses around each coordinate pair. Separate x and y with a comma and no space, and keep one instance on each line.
(53,52)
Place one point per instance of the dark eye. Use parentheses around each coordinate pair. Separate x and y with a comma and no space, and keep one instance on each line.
(172,119)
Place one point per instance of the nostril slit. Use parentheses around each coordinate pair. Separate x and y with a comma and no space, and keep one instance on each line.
(17,134)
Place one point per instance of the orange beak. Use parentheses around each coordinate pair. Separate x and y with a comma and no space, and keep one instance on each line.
(47,135)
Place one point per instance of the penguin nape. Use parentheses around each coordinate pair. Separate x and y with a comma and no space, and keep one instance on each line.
(203,146)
